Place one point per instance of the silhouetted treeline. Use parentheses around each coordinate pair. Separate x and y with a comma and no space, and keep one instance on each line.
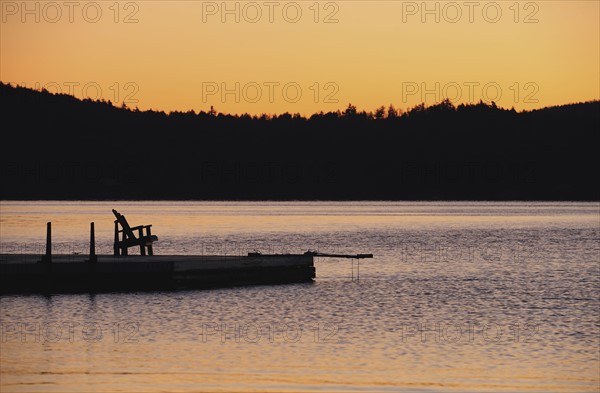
(59,147)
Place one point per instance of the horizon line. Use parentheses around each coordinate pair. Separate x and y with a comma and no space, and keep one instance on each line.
(399,111)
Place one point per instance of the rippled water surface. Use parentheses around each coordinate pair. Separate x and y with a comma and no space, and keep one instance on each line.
(498,297)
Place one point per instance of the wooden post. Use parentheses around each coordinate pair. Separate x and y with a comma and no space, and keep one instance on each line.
(48,257)
(116,245)
(93,257)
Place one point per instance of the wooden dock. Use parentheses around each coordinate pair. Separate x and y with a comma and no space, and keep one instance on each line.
(67,273)
(50,273)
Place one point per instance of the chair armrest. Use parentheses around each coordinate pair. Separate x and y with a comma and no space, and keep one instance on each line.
(140,227)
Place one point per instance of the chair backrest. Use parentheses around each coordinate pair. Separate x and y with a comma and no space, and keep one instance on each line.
(124,224)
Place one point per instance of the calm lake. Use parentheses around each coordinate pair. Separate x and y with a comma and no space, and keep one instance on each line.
(460,296)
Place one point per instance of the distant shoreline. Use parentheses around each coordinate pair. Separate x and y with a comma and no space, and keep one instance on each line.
(64,148)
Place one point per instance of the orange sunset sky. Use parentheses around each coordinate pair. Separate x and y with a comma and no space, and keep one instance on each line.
(304,56)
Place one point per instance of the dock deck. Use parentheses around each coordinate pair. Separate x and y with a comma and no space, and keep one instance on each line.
(26,273)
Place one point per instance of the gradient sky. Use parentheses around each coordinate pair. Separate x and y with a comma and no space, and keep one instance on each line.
(178,55)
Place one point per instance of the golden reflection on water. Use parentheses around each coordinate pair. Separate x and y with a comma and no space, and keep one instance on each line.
(334,335)
(21,223)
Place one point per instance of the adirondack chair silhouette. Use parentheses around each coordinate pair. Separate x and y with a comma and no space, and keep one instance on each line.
(128,238)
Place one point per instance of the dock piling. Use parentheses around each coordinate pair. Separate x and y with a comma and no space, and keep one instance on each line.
(116,243)
(93,257)
(47,258)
